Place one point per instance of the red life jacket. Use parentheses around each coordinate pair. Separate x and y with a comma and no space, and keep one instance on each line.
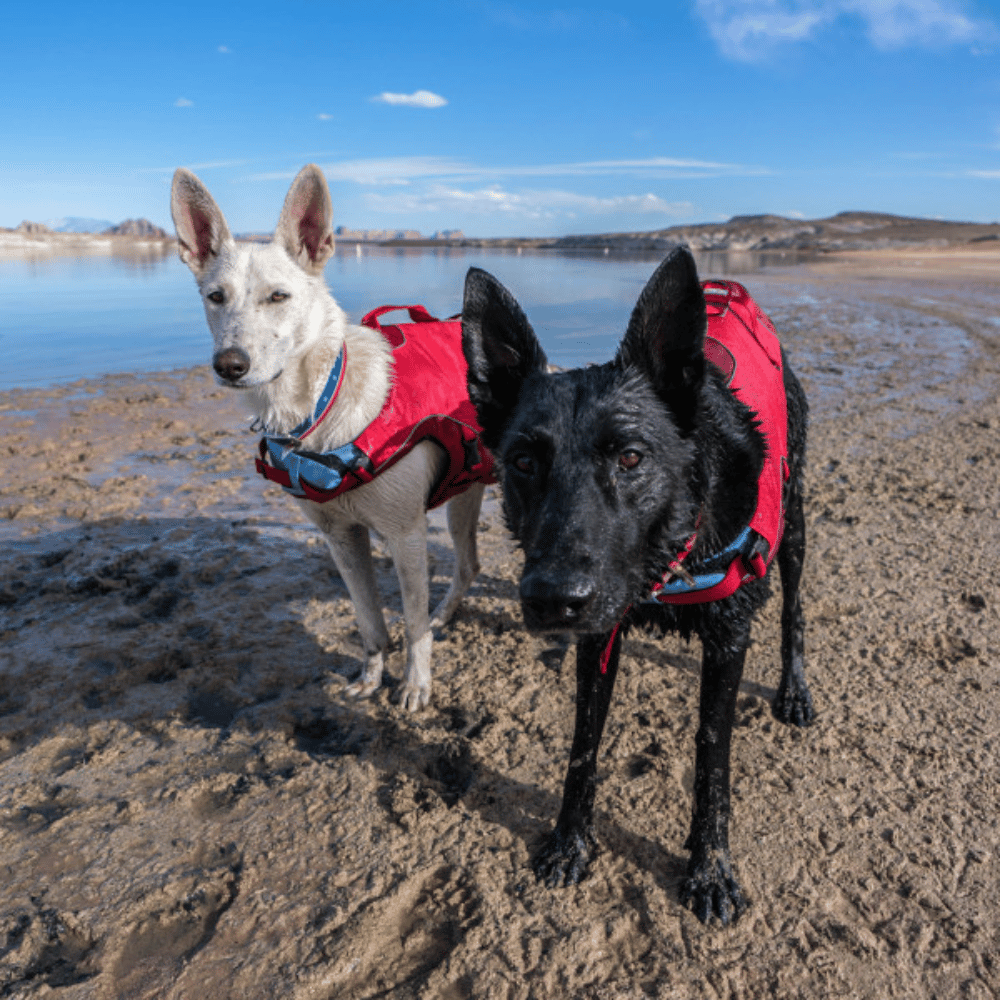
(742,343)
(428,399)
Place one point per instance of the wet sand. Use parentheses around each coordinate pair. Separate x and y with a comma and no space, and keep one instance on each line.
(189,807)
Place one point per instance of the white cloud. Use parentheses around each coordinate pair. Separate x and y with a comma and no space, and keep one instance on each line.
(324,117)
(199,167)
(657,167)
(388,171)
(990,175)
(183,102)
(216,164)
(919,156)
(894,24)
(530,204)
(449,187)
(418,99)
(403,170)
(745,31)
(750,30)
(224,49)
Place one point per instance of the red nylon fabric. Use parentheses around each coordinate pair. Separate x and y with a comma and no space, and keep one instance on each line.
(427,398)
(743,344)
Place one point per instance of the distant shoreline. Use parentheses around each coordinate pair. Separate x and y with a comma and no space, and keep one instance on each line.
(846,232)
(51,244)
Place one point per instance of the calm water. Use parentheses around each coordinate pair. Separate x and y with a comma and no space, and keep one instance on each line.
(867,345)
(67,318)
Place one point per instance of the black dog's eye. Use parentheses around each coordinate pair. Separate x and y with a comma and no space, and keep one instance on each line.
(279,296)
(524,464)
(217,297)
(629,459)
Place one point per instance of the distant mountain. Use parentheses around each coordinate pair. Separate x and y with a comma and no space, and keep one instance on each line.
(137,227)
(844,231)
(78,224)
(756,233)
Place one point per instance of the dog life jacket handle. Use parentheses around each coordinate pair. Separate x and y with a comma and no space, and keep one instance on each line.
(418,314)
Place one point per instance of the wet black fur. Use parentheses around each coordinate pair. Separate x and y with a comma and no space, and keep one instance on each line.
(604,472)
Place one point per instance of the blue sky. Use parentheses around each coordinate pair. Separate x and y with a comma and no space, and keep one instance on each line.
(506,118)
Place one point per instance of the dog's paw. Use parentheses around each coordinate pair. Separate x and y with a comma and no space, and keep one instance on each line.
(370,678)
(563,858)
(414,696)
(362,688)
(442,615)
(793,705)
(711,891)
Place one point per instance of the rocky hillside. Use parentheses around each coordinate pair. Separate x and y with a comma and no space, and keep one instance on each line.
(139,228)
(844,231)
(33,229)
(129,237)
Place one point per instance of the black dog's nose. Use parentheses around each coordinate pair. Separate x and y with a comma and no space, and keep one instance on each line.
(231,364)
(551,602)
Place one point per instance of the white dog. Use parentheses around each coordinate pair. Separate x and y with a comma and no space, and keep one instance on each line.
(277,335)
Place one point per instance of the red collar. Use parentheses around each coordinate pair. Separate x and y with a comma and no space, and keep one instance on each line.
(674,568)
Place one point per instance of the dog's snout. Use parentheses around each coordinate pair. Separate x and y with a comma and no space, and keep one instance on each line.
(231,364)
(554,602)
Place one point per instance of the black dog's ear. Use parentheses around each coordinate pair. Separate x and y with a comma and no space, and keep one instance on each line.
(500,349)
(666,335)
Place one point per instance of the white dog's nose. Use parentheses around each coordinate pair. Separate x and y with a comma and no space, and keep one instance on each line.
(231,364)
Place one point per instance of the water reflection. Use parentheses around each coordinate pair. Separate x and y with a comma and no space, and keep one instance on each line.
(145,257)
(716,262)
(68,317)
(131,254)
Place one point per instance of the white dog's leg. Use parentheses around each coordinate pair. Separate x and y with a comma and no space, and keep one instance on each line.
(351,548)
(463,519)
(409,553)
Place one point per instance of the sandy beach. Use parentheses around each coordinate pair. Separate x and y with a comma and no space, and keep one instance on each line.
(191,808)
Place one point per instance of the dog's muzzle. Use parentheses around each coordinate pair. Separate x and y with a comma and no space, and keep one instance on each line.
(552,603)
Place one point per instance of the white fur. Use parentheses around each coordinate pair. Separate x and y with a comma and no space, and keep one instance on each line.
(276,308)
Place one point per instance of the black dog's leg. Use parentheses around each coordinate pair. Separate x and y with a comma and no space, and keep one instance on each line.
(710,888)
(564,857)
(793,702)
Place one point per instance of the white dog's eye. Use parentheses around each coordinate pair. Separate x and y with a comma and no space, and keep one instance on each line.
(217,297)
(279,296)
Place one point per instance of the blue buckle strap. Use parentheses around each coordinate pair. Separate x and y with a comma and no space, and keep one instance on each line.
(321,470)
(326,397)
(711,571)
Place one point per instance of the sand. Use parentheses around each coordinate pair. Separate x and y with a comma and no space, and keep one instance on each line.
(190,808)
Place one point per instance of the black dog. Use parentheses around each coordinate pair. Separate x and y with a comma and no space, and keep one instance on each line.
(646,469)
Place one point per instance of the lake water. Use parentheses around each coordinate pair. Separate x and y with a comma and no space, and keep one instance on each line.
(65,318)
(857,343)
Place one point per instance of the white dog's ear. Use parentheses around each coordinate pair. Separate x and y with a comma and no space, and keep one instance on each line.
(201,228)
(305,227)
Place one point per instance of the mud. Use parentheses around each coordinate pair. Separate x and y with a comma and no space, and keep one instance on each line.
(189,807)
